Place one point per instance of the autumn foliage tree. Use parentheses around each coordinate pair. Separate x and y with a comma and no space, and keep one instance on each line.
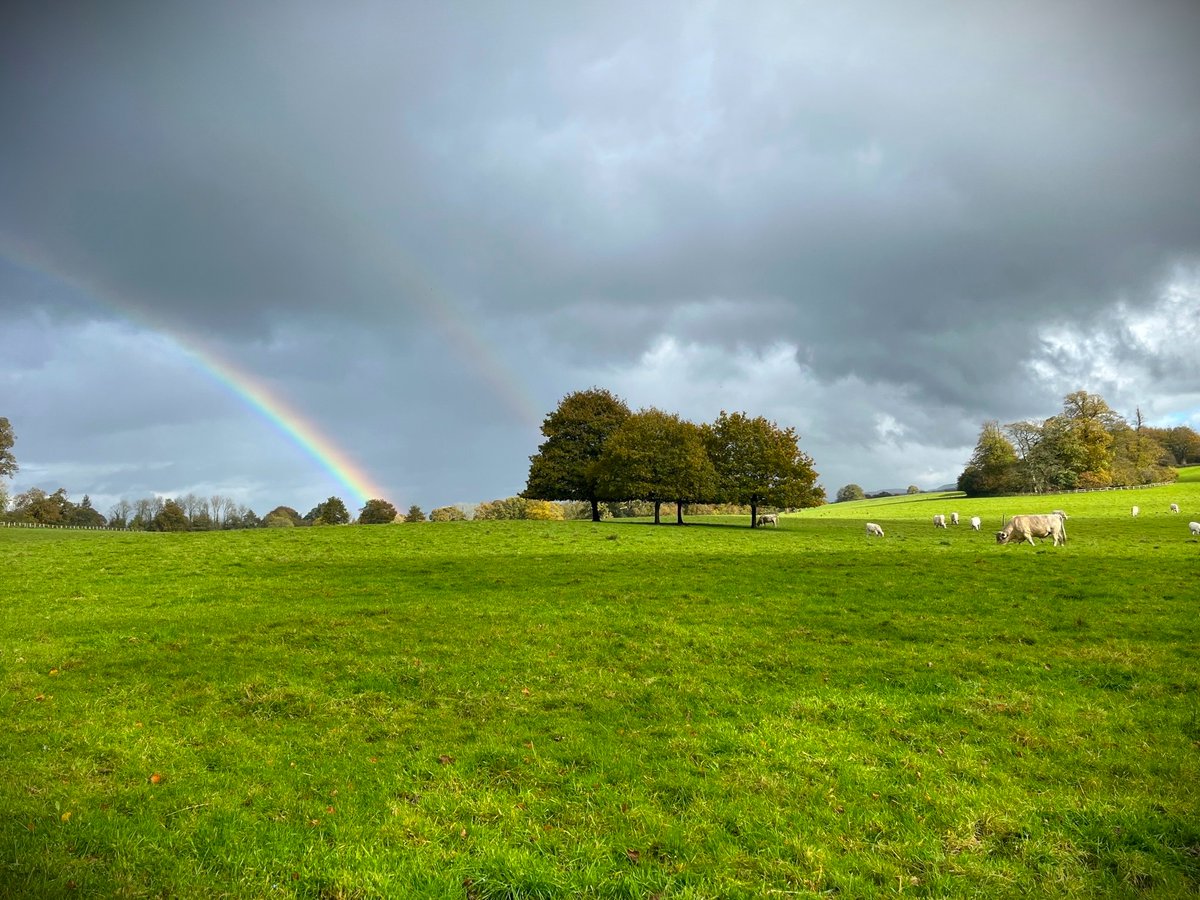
(659,457)
(566,464)
(8,462)
(758,463)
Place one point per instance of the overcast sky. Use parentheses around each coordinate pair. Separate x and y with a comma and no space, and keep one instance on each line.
(420,225)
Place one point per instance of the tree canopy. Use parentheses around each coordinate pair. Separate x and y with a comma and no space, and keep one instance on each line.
(1087,445)
(332,512)
(659,457)
(850,492)
(565,466)
(759,463)
(8,462)
(377,512)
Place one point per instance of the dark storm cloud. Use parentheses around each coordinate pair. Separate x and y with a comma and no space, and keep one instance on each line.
(906,195)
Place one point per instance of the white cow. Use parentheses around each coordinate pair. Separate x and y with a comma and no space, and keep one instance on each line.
(1195,526)
(976,522)
(1134,511)
(1174,507)
(1026,528)
(873,529)
(939,521)
(769,519)
(953,518)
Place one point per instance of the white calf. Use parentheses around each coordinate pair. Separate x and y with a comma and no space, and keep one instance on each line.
(976,522)
(939,521)
(1134,511)
(1174,507)
(1195,526)
(953,518)
(769,519)
(1059,512)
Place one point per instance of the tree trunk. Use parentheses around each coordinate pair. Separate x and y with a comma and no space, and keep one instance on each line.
(678,512)
(753,514)
(657,507)
(595,510)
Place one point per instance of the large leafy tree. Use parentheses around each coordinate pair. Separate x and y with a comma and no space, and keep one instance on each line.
(8,462)
(565,466)
(171,518)
(850,492)
(332,512)
(377,512)
(992,468)
(758,463)
(659,457)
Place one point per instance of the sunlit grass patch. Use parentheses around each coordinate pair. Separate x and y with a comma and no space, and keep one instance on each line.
(569,709)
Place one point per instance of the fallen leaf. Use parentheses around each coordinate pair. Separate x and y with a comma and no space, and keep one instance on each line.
(445,760)
(525,691)
(66,817)
(329,809)
(155,778)
(633,855)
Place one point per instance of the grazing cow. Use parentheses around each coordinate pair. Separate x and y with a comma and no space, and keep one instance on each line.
(1174,507)
(953,518)
(873,529)
(1195,526)
(1134,511)
(1059,512)
(976,522)
(1026,528)
(769,519)
(939,521)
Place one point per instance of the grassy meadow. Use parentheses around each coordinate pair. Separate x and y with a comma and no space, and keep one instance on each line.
(524,709)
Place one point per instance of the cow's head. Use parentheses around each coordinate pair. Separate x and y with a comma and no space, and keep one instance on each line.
(1001,537)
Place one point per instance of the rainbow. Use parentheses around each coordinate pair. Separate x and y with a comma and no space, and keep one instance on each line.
(284,418)
(274,409)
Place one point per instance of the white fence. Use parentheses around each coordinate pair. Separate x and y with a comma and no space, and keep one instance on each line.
(68,527)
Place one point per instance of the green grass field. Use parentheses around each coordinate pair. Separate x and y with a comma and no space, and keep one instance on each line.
(611,710)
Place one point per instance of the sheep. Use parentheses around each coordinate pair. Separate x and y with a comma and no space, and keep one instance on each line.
(1174,507)
(1195,526)
(939,521)
(873,529)
(1134,512)
(953,518)
(975,523)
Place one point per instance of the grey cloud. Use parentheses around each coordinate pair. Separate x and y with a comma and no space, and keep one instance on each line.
(909,197)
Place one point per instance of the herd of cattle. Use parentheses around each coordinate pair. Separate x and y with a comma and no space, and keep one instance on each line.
(1023,528)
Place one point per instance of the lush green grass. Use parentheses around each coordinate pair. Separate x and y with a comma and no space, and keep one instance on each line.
(565,709)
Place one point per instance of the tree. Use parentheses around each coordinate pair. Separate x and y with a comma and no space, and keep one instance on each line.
(415,514)
(1088,423)
(447,514)
(990,470)
(332,512)
(544,511)
(8,462)
(507,509)
(171,518)
(377,512)
(659,457)
(850,492)
(566,464)
(118,514)
(913,489)
(757,463)
(85,516)
(1182,442)
(287,512)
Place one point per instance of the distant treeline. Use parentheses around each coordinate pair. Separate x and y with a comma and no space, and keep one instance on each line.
(1086,446)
